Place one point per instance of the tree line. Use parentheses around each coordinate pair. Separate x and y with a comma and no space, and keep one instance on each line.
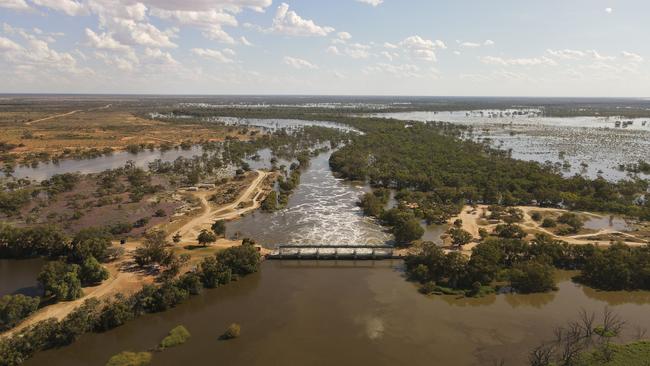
(98,316)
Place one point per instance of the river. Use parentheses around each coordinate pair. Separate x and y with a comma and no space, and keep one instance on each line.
(322,210)
(326,313)
(344,313)
(19,276)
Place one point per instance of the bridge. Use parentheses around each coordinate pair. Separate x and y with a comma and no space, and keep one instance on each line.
(334,252)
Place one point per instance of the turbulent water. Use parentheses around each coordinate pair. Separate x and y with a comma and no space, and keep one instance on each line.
(322,210)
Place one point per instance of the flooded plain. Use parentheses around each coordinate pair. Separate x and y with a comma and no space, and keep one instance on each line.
(101,163)
(592,146)
(346,313)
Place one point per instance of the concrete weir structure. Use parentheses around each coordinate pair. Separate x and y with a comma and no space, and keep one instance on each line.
(333,252)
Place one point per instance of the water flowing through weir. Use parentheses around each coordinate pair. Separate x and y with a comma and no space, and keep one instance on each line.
(322,210)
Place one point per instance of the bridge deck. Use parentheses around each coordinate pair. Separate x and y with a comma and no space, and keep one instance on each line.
(333,252)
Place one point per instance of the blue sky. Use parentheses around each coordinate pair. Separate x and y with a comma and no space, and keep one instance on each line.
(369,47)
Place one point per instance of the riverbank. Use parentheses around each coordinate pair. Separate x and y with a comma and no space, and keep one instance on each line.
(475,218)
(288,316)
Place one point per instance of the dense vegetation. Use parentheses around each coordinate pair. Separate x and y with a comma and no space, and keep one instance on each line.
(14,308)
(527,266)
(441,169)
(96,316)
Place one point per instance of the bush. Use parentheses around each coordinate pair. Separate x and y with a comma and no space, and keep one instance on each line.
(176,337)
(408,231)
(15,308)
(61,280)
(127,358)
(92,272)
(549,223)
(536,216)
(529,277)
(214,273)
(242,260)
(233,331)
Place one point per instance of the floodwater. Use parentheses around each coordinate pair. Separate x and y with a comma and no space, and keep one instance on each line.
(102,163)
(346,313)
(592,146)
(322,210)
(19,276)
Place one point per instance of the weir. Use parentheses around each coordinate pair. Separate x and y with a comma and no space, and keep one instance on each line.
(333,252)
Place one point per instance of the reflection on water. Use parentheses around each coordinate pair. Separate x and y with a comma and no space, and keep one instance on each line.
(322,210)
(607,222)
(339,313)
(19,276)
(99,164)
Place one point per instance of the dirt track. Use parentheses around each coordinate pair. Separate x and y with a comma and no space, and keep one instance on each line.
(231,211)
(65,114)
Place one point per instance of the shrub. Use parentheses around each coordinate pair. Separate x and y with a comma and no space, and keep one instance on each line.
(14,308)
(549,222)
(176,337)
(61,280)
(130,359)
(233,331)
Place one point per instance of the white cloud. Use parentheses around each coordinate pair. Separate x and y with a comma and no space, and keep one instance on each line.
(401,71)
(371,2)
(390,45)
(633,57)
(422,48)
(216,55)
(130,31)
(344,36)
(288,22)
(333,50)
(488,42)
(14,4)
(609,10)
(567,54)
(209,21)
(244,41)
(491,60)
(69,7)
(470,44)
(103,41)
(299,63)
(8,45)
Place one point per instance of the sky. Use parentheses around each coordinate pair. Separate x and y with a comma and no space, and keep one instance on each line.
(330,47)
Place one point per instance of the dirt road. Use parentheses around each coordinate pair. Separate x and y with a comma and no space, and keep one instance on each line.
(65,114)
(230,211)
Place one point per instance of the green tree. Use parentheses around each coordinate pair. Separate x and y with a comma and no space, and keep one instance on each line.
(214,273)
(408,231)
(219,228)
(242,260)
(92,272)
(459,237)
(155,249)
(91,242)
(14,308)
(61,280)
(206,237)
(532,276)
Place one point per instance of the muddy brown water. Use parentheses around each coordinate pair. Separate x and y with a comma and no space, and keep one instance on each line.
(345,313)
(19,276)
